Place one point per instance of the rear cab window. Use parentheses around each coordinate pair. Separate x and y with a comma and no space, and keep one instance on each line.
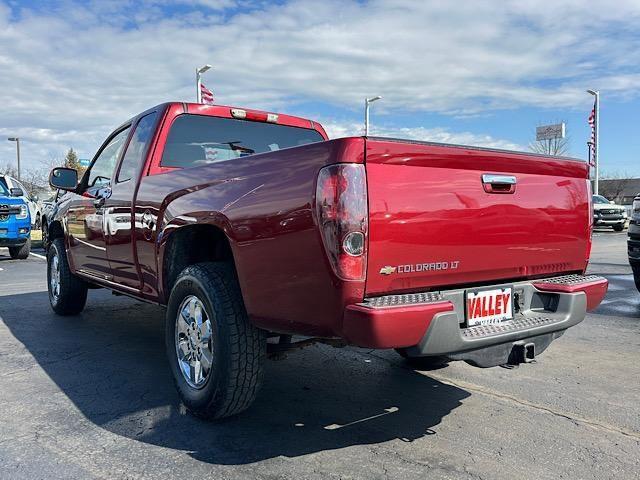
(196,140)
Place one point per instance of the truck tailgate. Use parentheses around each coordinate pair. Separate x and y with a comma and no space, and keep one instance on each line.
(433,224)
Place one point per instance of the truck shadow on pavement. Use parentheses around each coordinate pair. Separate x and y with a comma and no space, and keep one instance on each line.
(618,302)
(110,362)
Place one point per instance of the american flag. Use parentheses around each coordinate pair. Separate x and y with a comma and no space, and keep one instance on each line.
(206,95)
(592,124)
(210,154)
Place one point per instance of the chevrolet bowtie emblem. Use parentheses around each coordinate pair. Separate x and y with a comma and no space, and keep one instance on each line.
(387,270)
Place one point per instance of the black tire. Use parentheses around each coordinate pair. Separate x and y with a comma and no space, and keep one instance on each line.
(22,252)
(45,235)
(423,363)
(72,294)
(636,275)
(238,347)
(37,225)
(618,228)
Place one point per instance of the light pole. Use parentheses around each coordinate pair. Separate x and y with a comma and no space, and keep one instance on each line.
(367,102)
(17,140)
(596,137)
(199,72)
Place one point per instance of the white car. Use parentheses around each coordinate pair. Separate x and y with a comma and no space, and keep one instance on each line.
(31,201)
(608,214)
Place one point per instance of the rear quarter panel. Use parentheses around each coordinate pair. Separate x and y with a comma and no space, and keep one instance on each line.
(264,204)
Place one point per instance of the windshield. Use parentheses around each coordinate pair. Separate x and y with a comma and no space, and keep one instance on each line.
(600,199)
(200,140)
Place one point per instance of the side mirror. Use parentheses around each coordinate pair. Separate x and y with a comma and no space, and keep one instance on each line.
(16,192)
(64,178)
(612,202)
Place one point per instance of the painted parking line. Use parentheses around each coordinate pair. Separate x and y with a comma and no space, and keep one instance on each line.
(37,255)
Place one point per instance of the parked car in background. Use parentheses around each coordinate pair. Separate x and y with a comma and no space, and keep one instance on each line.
(49,206)
(608,214)
(633,243)
(30,199)
(15,222)
(252,227)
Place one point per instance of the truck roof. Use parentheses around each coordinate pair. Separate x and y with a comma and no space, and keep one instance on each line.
(227,111)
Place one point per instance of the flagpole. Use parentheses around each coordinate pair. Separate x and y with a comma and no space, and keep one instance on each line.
(198,99)
(596,138)
(199,72)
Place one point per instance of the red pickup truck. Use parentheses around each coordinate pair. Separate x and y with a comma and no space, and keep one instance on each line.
(251,227)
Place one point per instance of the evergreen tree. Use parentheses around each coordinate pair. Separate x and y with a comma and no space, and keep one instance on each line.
(71,159)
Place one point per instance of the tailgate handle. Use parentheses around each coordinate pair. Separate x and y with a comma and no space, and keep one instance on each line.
(494,183)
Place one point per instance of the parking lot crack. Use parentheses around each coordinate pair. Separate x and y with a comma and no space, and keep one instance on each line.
(579,421)
(510,398)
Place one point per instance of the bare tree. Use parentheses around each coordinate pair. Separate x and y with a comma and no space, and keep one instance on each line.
(613,184)
(554,146)
(35,179)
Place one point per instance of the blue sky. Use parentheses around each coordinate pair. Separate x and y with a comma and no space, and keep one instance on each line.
(480,73)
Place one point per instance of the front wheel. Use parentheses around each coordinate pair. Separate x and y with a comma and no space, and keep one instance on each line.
(618,228)
(21,252)
(215,353)
(67,293)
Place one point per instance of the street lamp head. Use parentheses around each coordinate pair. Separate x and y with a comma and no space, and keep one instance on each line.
(593,92)
(13,139)
(204,68)
(373,99)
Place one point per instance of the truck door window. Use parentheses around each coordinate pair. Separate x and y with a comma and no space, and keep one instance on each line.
(196,140)
(137,148)
(103,166)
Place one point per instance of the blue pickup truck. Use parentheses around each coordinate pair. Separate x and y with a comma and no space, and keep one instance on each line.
(15,223)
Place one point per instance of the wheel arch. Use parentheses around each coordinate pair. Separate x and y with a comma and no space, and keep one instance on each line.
(187,245)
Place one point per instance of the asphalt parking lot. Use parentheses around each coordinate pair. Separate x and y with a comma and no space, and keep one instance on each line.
(91,397)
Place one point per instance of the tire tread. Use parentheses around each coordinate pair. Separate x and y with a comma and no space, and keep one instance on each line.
(246,344)
(73,290)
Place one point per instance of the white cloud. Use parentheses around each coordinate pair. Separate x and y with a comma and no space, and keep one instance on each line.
(73,72)
(440,135)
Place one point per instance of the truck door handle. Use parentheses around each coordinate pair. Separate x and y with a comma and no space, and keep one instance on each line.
(494,183)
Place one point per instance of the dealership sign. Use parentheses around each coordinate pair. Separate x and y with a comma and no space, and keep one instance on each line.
(549,132)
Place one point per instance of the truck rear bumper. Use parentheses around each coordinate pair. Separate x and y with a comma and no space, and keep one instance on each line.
(434,323)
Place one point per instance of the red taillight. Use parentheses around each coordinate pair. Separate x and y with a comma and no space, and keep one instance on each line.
(341,206)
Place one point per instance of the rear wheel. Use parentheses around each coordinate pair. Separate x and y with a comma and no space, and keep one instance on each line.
(22,252)
(423,363)
(216,355)
(67,293)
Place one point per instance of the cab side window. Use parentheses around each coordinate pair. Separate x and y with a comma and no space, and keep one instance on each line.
(103,167)
(137,148)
